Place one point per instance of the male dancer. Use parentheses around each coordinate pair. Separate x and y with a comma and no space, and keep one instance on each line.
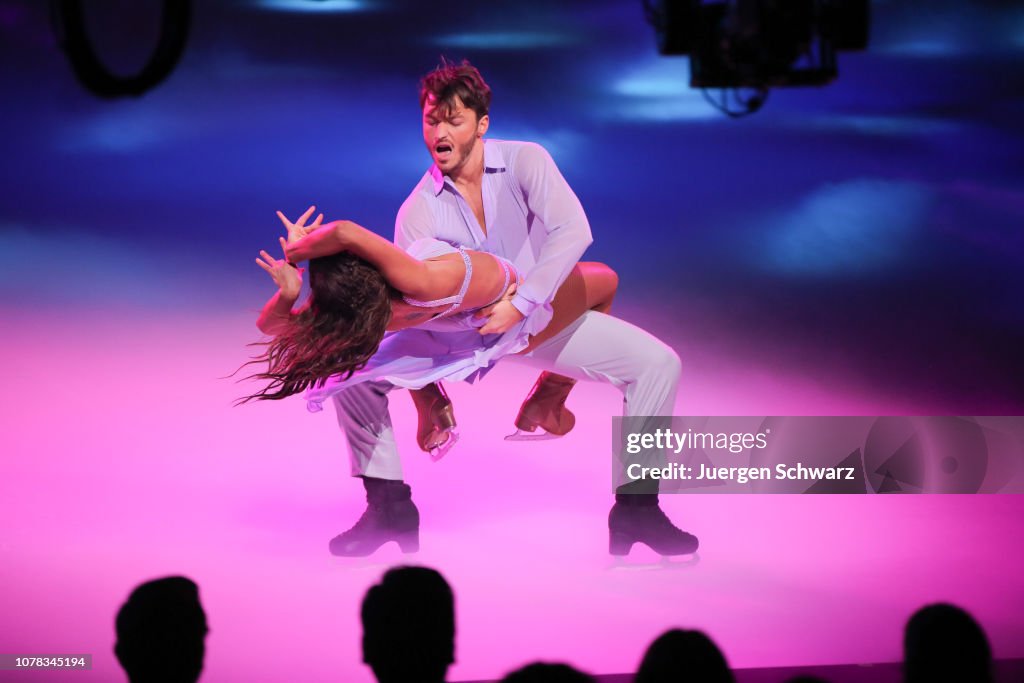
(507,198)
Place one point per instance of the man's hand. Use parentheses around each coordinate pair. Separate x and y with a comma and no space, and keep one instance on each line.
(500,317)
(286,277)
(299,229)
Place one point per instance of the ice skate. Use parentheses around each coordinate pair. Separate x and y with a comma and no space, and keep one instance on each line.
(637,518)
(390,515)
(545,408)
(437,431)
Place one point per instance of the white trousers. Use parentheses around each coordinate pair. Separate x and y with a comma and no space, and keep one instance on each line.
(596,347)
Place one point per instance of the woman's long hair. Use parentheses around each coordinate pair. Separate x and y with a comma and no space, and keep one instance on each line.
(350,308)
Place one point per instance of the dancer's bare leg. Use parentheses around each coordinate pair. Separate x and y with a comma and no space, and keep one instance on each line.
(591,286)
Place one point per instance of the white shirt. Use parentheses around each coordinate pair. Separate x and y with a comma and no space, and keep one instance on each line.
(533,219)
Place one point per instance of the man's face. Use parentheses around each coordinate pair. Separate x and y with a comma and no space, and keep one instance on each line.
(450,136)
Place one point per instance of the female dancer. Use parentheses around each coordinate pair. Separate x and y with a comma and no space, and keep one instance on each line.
(363,286)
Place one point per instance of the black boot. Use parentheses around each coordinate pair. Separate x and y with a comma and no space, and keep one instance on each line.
(390,516)
(637,518)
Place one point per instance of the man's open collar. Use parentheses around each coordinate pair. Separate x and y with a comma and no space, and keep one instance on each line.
(494,161)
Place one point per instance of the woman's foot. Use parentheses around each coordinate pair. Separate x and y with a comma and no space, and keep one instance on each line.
(437,432)
(545,408)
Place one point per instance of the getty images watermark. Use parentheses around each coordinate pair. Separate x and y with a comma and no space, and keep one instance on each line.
(861,454)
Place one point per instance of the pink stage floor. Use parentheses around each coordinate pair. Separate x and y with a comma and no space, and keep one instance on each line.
(124,461)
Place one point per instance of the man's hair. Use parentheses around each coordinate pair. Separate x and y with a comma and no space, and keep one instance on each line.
(449,81)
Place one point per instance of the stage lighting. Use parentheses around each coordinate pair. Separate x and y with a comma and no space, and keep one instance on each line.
(750,46)
(69,24)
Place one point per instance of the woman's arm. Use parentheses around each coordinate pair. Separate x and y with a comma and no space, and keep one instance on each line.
(414,278)
(276,314)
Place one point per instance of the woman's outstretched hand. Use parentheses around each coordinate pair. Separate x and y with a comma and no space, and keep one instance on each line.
(287,277)
(299,229)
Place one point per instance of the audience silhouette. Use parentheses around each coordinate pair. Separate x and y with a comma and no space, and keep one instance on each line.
(545,672)
(161,632)
(409,626)
(944,644)
(409,636)
(679,655)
